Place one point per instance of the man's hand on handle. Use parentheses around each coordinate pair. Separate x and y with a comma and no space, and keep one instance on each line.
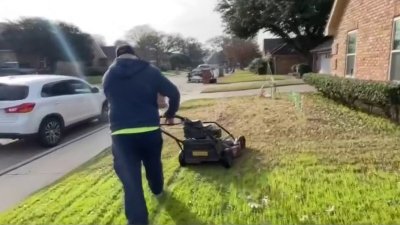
(169,121)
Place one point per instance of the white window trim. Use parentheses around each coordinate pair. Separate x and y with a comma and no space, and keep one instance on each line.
(392,51)
(351,54)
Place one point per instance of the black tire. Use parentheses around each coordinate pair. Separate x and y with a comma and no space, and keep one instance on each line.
(51,132)
(182,161)
(227,159)
(242,142)
(103,118)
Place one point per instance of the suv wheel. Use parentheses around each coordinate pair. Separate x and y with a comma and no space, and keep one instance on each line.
(50,132)
(103,118)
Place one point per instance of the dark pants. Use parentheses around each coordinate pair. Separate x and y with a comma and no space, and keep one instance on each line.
(129,152)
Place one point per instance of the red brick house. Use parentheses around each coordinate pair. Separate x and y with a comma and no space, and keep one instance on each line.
(366,39)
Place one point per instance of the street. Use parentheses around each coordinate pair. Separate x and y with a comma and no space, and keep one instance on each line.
(18,151)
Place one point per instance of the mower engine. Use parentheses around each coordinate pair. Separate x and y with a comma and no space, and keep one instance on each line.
(204,143)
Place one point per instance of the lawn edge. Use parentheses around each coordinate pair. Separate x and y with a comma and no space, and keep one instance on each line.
(278,85)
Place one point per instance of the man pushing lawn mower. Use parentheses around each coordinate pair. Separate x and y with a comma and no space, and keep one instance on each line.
(132,87)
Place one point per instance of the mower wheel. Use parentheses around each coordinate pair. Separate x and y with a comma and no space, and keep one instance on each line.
(182,161)
(242,142)
(227,159)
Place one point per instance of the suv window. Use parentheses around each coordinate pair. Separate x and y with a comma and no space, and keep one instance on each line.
(13,92)
(57,89)
(80,87)
(67,87)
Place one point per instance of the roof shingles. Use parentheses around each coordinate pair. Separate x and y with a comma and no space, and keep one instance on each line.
(110,52)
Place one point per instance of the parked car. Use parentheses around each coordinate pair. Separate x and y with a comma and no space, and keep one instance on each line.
(43,106)
(196,75)
(204,66)
(13,68)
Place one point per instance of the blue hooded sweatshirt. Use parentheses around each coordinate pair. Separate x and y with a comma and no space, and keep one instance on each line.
(131,87)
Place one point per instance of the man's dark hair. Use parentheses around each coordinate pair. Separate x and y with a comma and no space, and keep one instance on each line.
(125,49)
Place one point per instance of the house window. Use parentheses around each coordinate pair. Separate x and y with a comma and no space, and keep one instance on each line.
(42,63)
(351,53)
(395,62)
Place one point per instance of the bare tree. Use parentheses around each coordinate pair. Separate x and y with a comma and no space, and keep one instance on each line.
(99,39)
(235,50)
(137,33)
(120,42)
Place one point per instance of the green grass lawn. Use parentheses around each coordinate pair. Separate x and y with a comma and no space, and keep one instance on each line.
(94,80)
(321,163)
(249,85)
(246,76)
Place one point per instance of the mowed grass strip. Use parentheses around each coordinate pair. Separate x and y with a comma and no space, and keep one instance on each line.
(97,80)
(247,76)
(324,164)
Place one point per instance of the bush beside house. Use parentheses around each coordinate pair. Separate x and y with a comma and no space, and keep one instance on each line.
(260,66)
(298,70)
(376,97)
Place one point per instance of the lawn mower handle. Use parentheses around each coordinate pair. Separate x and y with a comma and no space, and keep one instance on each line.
(177,140)
(177,117)
(215,123)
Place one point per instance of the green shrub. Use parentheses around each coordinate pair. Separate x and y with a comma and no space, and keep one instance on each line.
(301,69)
(260,66)
(361,94)
(91,71)
(254,65)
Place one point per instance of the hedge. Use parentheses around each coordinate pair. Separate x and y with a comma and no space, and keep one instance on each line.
(260,66)
(382,98)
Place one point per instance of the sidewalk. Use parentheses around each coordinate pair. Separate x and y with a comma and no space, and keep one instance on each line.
(19,184)
(303,88)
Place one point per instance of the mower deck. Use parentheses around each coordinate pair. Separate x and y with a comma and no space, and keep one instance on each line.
(203,143)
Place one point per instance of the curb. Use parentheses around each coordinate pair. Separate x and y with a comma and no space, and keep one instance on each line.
(34,158)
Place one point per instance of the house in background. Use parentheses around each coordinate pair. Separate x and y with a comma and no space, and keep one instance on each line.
(110,52)
(322,55)
(366,41)
(7,56)
(282,55)
(100,60)
(99,64)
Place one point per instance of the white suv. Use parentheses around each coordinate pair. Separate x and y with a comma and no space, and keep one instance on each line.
(44,105)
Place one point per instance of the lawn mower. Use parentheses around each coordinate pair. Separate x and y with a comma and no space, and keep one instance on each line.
(204,143)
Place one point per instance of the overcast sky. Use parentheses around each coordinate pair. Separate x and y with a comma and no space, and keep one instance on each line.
(111,19)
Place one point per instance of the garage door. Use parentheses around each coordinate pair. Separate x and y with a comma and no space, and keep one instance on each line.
(324,63)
